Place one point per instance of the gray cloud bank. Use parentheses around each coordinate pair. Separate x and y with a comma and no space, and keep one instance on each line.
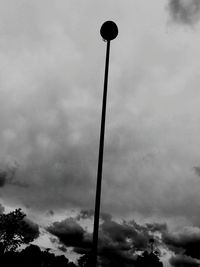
(50,103)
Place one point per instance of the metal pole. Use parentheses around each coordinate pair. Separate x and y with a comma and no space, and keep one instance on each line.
(100,161)
(109,31)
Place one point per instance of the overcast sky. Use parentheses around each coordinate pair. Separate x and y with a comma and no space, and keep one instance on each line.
(51,81)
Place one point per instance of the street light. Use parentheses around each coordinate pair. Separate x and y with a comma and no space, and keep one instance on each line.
(109,31)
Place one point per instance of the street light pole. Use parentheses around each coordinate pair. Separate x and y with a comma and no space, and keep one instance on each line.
(109,31)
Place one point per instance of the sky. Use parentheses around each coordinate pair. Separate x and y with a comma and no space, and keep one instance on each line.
(51,81)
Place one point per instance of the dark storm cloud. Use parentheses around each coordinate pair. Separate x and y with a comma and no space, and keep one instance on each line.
(118,233)
(70,233)
(118,242)
(183,261)
(185,242)
(185,11)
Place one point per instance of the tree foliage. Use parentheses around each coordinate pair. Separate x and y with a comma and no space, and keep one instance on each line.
(15,230)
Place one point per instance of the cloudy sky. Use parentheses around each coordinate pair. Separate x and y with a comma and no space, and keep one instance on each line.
(51,78)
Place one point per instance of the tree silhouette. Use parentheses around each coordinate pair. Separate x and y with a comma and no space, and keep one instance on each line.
(15,231)
(148,260)
(32,256)
(85,260)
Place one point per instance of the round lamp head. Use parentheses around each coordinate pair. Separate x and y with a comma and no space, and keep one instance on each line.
(109,30)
